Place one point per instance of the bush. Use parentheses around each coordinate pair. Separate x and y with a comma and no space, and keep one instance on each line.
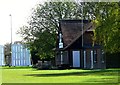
(64,66)
(112,60)
(43,65)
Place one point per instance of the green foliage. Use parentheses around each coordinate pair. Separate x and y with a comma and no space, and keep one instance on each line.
(106,16)
(108,24)
(7,49)
(43,26)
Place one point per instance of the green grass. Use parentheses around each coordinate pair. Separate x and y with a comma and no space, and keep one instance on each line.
(30,75)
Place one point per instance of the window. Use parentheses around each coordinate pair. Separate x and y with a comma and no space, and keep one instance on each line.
(60,41)
(65,57)
(103,56)
(95,56)
(84,59)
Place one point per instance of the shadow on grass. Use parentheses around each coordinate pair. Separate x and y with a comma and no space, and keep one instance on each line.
(85,73)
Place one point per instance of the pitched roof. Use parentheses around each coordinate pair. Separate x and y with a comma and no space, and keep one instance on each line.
(72,30)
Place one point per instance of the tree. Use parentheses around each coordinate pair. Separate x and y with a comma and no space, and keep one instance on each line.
(7,49)
(43,25)
(42,28)
(108,26)
(7,53)
(106,16)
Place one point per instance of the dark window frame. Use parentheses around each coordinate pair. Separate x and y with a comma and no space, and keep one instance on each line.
(95,56)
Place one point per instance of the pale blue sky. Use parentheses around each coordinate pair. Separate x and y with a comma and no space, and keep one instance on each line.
(20,10)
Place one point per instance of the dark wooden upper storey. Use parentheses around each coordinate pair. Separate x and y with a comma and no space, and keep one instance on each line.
(72,32)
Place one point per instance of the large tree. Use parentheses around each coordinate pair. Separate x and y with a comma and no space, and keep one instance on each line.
(44,23)
(7,49)
(107,22)
(106,16)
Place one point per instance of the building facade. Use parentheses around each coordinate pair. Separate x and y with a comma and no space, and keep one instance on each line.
(20,55)
(75,46)
(2,55)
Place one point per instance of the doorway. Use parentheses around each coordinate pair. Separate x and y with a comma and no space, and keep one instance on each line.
(76,58)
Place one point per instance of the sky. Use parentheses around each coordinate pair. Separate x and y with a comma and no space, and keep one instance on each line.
(20,11)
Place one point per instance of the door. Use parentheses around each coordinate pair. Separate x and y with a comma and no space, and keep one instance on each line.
(76,58)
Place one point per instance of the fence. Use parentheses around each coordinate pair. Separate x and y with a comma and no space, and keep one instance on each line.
(1,55)
(20,55)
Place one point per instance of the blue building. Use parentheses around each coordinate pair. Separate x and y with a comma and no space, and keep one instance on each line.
(20,55)
(2,55)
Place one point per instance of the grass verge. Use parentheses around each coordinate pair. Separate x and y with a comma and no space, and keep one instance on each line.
(30,75)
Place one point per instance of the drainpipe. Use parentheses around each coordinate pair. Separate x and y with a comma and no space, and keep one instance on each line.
(84,52)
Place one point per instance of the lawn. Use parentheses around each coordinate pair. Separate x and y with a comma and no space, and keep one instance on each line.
(30,75)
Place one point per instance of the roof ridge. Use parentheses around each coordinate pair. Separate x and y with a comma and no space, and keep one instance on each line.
(71,20)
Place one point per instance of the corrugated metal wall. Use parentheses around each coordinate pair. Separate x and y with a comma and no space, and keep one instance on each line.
(20,55)
(1,55)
